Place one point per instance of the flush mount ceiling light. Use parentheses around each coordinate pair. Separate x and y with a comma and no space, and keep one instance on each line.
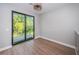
(37,6)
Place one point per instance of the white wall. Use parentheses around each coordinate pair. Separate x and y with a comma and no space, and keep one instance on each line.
(60,24)
(6,22)
(57,25)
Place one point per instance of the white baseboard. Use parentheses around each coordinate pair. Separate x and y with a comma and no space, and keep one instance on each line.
(71,46)
(5,48)
(37,37)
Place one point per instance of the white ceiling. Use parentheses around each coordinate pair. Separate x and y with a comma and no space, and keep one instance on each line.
(46,7)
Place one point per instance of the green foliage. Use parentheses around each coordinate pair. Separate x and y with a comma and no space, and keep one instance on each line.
(19,25)
(29,26)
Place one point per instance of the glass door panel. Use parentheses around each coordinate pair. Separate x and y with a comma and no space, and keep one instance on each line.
(22,27)
(29,27)
(18,27)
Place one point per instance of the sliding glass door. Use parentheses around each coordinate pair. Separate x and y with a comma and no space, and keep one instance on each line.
(22,27)
(29,27)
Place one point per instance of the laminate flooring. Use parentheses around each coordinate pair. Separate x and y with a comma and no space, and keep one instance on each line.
(38,46)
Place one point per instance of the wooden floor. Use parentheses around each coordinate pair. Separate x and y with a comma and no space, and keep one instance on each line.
(38,47)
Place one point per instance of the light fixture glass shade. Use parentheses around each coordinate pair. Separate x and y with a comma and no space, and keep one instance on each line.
(37,7)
